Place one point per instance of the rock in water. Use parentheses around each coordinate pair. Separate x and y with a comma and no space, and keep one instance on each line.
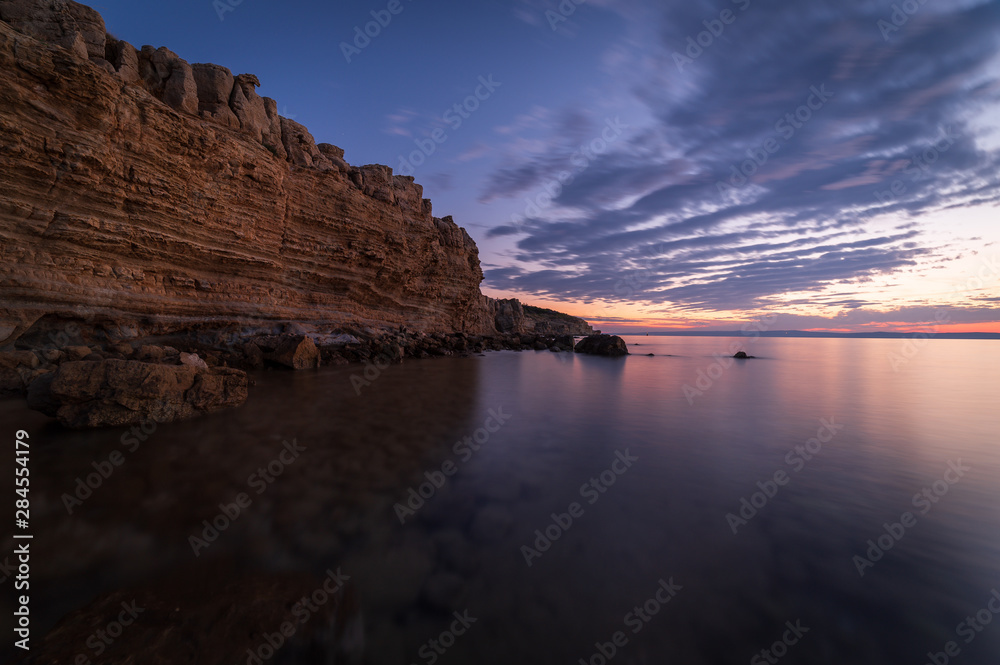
(297,352)
(742,355)
(602,345)
(127,392)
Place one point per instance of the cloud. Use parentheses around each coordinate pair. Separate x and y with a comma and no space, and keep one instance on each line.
(742,190)
(477,151)
(400,121)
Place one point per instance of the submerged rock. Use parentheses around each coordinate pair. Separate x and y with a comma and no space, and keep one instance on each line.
(602,345)
(126,392)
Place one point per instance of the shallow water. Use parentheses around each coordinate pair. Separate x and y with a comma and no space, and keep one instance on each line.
(661,516)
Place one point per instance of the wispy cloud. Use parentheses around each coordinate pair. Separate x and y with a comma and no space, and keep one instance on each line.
(839,202)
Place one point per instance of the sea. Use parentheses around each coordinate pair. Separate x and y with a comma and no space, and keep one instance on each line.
(825,501)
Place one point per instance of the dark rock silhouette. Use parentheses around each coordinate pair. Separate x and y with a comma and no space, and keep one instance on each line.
(602,345)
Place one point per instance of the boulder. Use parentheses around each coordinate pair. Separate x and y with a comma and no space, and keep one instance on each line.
(742,355)
(296,352)
(127,392)
(123,348)
(52,355)
(12,359)
(78,352)
(17,370)
(565,342)
(150,353)
(602,345)
(253,356)
(193,360)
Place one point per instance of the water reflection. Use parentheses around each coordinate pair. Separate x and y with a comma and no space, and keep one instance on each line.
(566,418)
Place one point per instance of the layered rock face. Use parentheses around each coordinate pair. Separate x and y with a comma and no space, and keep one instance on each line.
(511,315)
(550,322)
(143,195)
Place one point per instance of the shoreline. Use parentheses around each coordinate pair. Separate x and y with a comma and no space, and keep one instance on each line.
(178,377)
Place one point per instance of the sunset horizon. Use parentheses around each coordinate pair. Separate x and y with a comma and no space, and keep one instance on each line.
(668,164)
(601,332)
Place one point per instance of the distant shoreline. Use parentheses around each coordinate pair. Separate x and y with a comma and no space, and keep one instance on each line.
(806,334)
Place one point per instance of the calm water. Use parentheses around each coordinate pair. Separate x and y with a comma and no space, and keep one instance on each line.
(692,459)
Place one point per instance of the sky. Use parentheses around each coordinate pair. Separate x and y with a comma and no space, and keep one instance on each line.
(661,164)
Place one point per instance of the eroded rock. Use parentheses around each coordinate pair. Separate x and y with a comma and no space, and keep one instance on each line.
(126,392)
(301,147)
(215,87)
(169,78)
(124,58)
(77,28)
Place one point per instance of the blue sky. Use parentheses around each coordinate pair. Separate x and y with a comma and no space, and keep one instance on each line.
(661,164)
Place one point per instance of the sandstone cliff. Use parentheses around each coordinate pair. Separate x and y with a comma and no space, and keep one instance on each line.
(144,195)
(511,315)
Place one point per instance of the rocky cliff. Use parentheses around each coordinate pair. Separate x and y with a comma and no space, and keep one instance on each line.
(511,315)
(144,195)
